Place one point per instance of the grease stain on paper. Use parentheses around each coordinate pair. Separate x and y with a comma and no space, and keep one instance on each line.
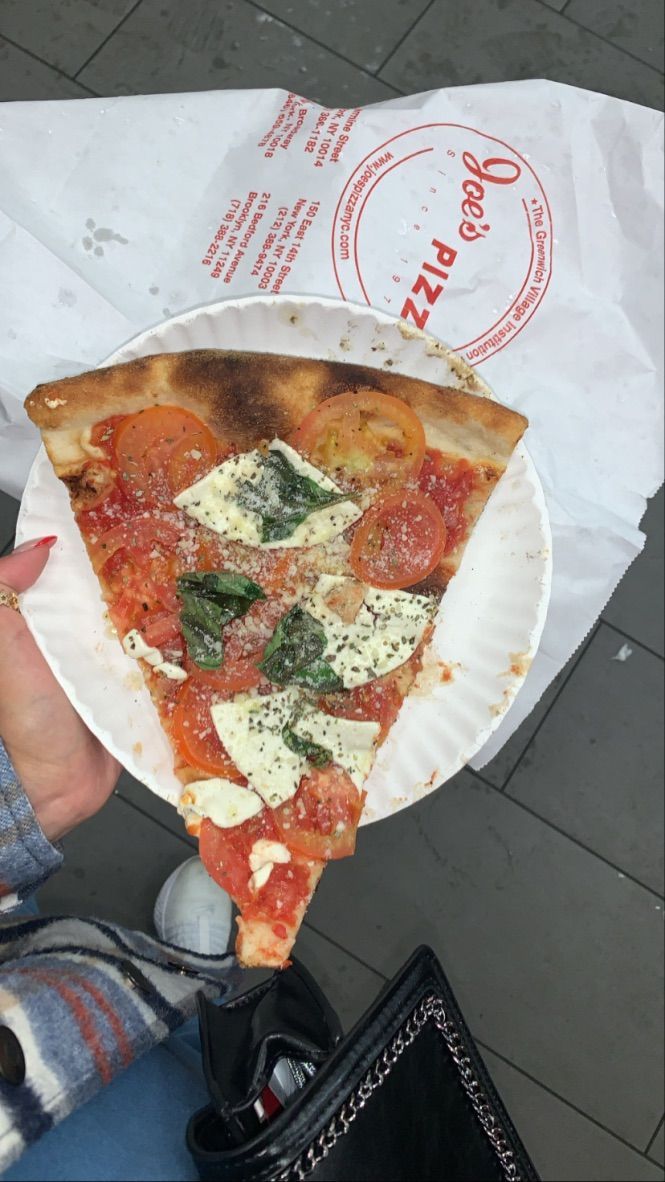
(100,234)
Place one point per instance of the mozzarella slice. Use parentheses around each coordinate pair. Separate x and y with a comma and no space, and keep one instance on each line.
(213,501)
(352,743)
(260,877)
(387,628)
(225,803)
(265,852)
(135,646)
(262,858)
(251,730)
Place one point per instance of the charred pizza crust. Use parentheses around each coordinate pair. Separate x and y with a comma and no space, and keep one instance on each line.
(248,397)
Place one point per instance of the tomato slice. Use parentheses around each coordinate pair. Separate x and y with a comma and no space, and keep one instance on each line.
(139,536)
(233,676)
(160,628)
(225,855)
(195,736)
(225,852)
(364,439)
(189,462)
(398,541)
(286,888)
(158,449)
(321,820)
(449,482)
(377,701)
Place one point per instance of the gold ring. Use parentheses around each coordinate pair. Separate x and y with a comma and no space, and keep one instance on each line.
(9,598)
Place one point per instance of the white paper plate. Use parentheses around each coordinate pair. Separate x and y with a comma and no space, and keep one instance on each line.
(491,618)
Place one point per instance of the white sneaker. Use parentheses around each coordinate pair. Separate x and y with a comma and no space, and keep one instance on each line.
(193,912)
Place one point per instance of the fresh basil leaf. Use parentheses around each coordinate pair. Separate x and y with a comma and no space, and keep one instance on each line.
(283,498)
(319,676)
(293,654)
(210,600)
(317,755)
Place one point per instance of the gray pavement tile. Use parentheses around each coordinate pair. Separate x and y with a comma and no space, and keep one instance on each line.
(633,25)
(158,810)
(637,604)
(556,961)
(563,1144)
(364,33)
(350,986)
(65,33)
(23,77)
(114,867)
(557,5)
(480,41)
(499,769)
(657,1146)
(8,513)
(204,45)
(595,768)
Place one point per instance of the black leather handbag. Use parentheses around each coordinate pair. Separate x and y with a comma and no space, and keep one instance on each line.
(405,1095)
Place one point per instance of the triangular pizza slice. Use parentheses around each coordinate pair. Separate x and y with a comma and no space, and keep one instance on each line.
(272,536)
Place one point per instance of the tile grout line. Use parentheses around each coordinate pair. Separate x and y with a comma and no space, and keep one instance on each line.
(113,32)
(322,45)
(633,639)
(569,836)
(652,1139)
(346,951)
(42,61)
(581,653)
(599,36)
(563,1100)
(532,1078)
(137,808)
(401,41)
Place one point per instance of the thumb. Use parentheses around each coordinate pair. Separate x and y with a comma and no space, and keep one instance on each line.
(22,568)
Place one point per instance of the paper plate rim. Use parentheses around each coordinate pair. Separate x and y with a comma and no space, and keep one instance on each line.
(138,345)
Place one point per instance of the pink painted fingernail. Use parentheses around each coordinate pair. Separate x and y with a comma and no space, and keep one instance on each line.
(33,543)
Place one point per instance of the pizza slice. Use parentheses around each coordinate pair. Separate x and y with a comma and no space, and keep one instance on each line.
(272,536)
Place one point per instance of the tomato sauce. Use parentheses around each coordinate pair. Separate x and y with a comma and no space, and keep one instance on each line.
(449,483)
(135,537)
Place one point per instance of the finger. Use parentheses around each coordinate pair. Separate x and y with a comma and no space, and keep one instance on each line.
(22,568)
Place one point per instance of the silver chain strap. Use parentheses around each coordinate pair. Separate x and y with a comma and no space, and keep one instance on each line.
(431,1008)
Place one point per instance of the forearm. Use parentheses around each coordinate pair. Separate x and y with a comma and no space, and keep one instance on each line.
(27,858)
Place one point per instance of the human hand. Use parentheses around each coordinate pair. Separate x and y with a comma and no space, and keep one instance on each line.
(65,772)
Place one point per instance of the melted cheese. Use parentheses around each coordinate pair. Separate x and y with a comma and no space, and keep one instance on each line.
(351,742)
(225,803)
(135,646)
(265,851)
(260,877)
(262,858)
(213,501)
(251,730)
(387,629)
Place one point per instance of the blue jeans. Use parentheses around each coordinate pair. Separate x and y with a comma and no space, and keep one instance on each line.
(133,1129)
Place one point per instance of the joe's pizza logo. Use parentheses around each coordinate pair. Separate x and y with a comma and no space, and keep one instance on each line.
(449,228)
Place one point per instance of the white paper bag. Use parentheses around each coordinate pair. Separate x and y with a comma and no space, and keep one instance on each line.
(520,222)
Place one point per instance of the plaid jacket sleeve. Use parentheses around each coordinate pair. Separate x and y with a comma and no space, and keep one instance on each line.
(81,998)
(27,858)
